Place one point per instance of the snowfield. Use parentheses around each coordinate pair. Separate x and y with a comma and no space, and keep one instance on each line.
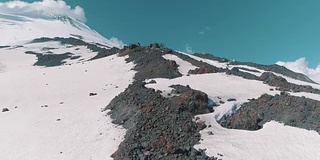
(273,141)
(183,66)
(51,115)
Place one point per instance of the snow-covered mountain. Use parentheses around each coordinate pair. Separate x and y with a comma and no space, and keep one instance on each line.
(69,93)
(17,29)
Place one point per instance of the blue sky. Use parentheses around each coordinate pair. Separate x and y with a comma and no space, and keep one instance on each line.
(263,31)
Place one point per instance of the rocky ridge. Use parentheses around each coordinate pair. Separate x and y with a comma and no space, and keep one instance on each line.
(158,127)
(269,68)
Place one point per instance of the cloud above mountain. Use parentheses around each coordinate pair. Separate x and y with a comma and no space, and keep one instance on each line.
(188,48)
(301,66)
(117,42)
(44,8)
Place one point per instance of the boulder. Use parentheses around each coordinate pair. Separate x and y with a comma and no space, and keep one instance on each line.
(5,109)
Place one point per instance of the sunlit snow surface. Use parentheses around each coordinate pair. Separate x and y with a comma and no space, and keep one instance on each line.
(72,125)
(51,115)
(183,66)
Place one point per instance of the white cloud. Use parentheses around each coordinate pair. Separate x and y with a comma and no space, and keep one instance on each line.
(117,42)
(301,66)
(203,30)
(44,8)
(188,48)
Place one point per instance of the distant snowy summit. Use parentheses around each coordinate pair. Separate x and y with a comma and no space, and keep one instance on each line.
(18,29)
(53,39)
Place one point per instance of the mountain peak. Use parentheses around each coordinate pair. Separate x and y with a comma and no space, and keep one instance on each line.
(42,9)
(19,29)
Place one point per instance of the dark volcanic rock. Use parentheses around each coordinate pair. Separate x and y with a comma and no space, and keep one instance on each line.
(273,80)
(154,45)
(205,69)
(277,69)
(231,99)
(92,94)
(101,51)
(159,127)
(50,60)
(294,111)
(196,107)
(283,85)
(237,72)
(133,46)
(5,109)
(150,63)
(4,47)
(211,57)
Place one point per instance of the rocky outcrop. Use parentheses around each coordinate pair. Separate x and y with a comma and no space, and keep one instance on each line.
(283,85)
(294,111)
(154,45)
(5,110)
(277,69)
(204,69)
(50,60)
(102,52)
(149,62)
(158,127)
(4,47)
(272,68)
(211,57)
(237,72)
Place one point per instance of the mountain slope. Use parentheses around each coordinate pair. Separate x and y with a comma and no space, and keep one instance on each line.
(69,93)
(226,89)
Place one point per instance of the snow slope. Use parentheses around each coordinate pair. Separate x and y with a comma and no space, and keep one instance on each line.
(273,141)
(184,66)
(51,115)
(226,65)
